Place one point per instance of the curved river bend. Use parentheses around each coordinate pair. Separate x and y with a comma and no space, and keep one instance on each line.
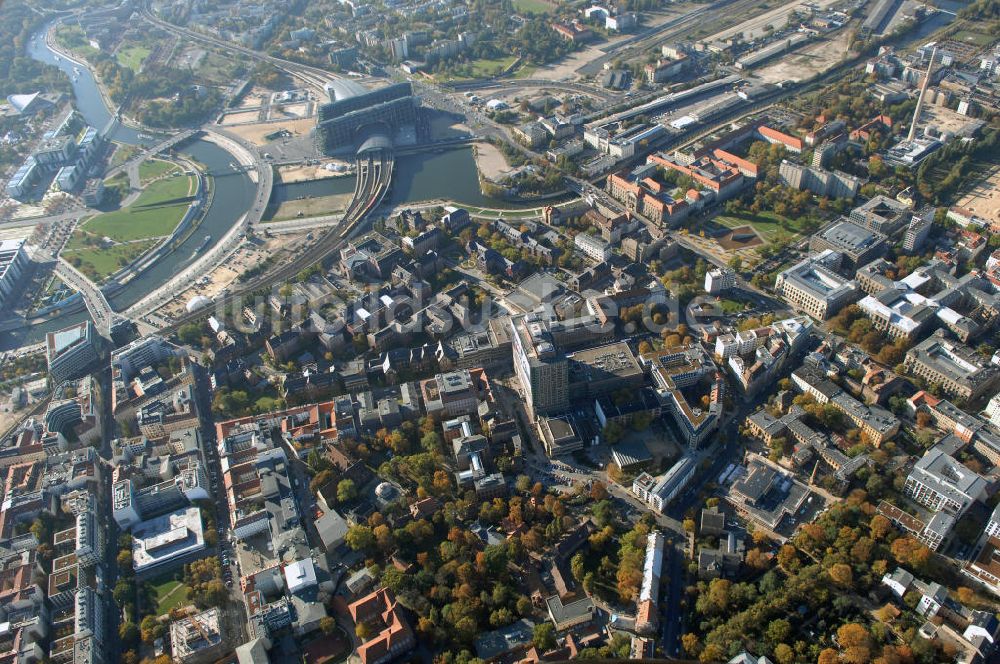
(450,175)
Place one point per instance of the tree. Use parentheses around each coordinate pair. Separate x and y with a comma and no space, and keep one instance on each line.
(362,631)
(128,633)
(908,551)
(124,559)
(842,575)
(360,537)
(576,565)
(879,527)
(598,491)
(544,637)
(784,654)
(150,629)
(327,625)
(346,491)
(856,643)
(691,644)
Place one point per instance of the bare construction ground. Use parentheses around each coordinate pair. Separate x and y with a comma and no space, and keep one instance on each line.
(240,117)
(984,199)
(288,174)
(490,161)
(808,61)
(224,275)
(255,133)
(943,118)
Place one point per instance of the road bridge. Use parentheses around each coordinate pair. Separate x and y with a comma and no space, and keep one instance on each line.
(92,296)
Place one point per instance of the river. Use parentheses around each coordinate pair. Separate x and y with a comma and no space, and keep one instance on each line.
(450,175)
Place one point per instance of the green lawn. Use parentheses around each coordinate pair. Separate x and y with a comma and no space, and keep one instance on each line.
(122,154)
(973,37)
(486,67)
(132,57)
(152,169)
(731,306)
(533,7)
(170,593)
(73,37)
(155,213)
(768,224)
(97,263)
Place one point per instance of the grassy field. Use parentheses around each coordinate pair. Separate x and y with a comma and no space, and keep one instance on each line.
(731,306)
(485,67)
(309,207)
(533,7)
(170,593)
(973,37)
(768,224)
(132,57)
(152,169)
(155,213)
(99,262)
(73,38)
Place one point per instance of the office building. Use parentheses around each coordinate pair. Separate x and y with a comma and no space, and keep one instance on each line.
(541,368)
(13,261)
(881,214)
(719,279)
(196,639)
(917,231)
(857,246)
(813,286)
(678,368)
(649,593)
(167,541)
(592,247)
(657,492)
(955,367)
(820,181)
(940,482)
(71,351)
(878,424)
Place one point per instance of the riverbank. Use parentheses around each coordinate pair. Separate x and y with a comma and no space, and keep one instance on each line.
(490,161)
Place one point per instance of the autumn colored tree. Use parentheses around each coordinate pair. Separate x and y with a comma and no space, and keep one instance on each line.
(828,656)
(691,644)
(879,527)
(856,643)
(788,558)
(842,575)
(784,654)
(908,551)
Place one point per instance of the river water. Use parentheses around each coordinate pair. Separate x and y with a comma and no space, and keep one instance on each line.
(448,175)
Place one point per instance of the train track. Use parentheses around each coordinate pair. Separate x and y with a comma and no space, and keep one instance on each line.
(371,186)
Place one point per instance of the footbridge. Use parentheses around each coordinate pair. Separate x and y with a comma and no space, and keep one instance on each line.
(163,145)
